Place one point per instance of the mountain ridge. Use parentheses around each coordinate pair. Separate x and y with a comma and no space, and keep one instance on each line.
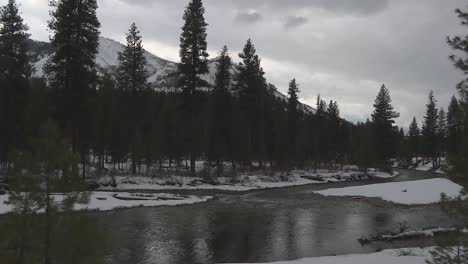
(161,71)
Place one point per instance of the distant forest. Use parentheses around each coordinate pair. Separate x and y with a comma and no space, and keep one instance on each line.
(117,117)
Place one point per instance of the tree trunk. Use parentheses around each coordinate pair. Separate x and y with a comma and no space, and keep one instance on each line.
(47,224)
(134,165)
(192,165)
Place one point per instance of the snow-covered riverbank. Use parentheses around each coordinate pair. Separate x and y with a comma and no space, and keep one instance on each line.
(241,183)
(105,201)
(409,192)
(391,256)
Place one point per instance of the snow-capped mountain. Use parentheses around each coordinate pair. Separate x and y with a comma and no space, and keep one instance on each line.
(161,71)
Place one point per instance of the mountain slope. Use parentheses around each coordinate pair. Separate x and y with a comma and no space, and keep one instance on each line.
(162,73)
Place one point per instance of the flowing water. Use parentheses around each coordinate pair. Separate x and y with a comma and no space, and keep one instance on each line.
(260,226)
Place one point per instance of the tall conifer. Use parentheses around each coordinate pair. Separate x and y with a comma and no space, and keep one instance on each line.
(193,63)
(72,69)
(132,79)
(14,70)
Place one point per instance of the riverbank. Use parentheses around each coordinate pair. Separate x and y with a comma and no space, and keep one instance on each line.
(391,256)
(409,192)
(106,201)
(240,183)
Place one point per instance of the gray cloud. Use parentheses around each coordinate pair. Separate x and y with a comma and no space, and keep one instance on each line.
(294,21)
(146,3)
(249,17)
(338,6)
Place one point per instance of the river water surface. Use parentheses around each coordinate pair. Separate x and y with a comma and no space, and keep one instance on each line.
(259,226)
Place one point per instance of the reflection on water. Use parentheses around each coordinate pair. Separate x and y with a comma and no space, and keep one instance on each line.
(256,227)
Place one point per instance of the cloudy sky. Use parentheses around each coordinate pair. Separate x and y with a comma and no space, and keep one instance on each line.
(341,49)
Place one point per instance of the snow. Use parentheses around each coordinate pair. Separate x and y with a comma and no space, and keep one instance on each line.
(106,201)
(421,164)
(409,192)
(381,174)
(238,184)
(391,256)
(427,233)
(424,167)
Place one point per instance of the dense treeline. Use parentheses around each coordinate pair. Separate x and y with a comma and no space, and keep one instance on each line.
(118,117)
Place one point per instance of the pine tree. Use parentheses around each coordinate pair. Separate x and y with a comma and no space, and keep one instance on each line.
(132,78)
(453,248)
(293,119)
(13,50)
(333,131)
(250,88)
(71,69)
(223,73)
(460,45)
(430,128)
(320,142)
(220,143)
(442,134)
(14,70)
(414,139)
(131,72)
(193,64)
(454,128)
(383,120)
(43,169)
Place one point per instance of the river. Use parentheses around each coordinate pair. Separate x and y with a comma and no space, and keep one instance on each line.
(259,226)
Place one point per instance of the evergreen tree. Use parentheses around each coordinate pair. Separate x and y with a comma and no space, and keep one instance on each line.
(383,120)
(460,45)
(72,69)
(193,64)
(414,139)
(453,248)
(14,70)
(250,87)
(13,47)
(454,128)
(220,143)
(131,72)
(132,77)
(442,133)
(430,129)
(320,141)
(321,107)
(333,131)
(293,118)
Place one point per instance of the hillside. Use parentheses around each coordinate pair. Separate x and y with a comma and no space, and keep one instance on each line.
(161,72)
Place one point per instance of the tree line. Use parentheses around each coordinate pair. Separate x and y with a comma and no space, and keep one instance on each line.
(118,117)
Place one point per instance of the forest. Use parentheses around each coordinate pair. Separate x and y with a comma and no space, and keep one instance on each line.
(119,117)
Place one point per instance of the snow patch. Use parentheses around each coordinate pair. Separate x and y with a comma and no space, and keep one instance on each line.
(409,192)
(241,183)
(106,201)
(391,256)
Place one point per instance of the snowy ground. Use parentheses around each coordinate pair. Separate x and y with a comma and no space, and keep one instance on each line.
(407,234)
(427,165)
(410,192)
(399,256)
(105,201)
(241,183)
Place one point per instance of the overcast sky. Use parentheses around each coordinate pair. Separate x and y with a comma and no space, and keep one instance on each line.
(341,49)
